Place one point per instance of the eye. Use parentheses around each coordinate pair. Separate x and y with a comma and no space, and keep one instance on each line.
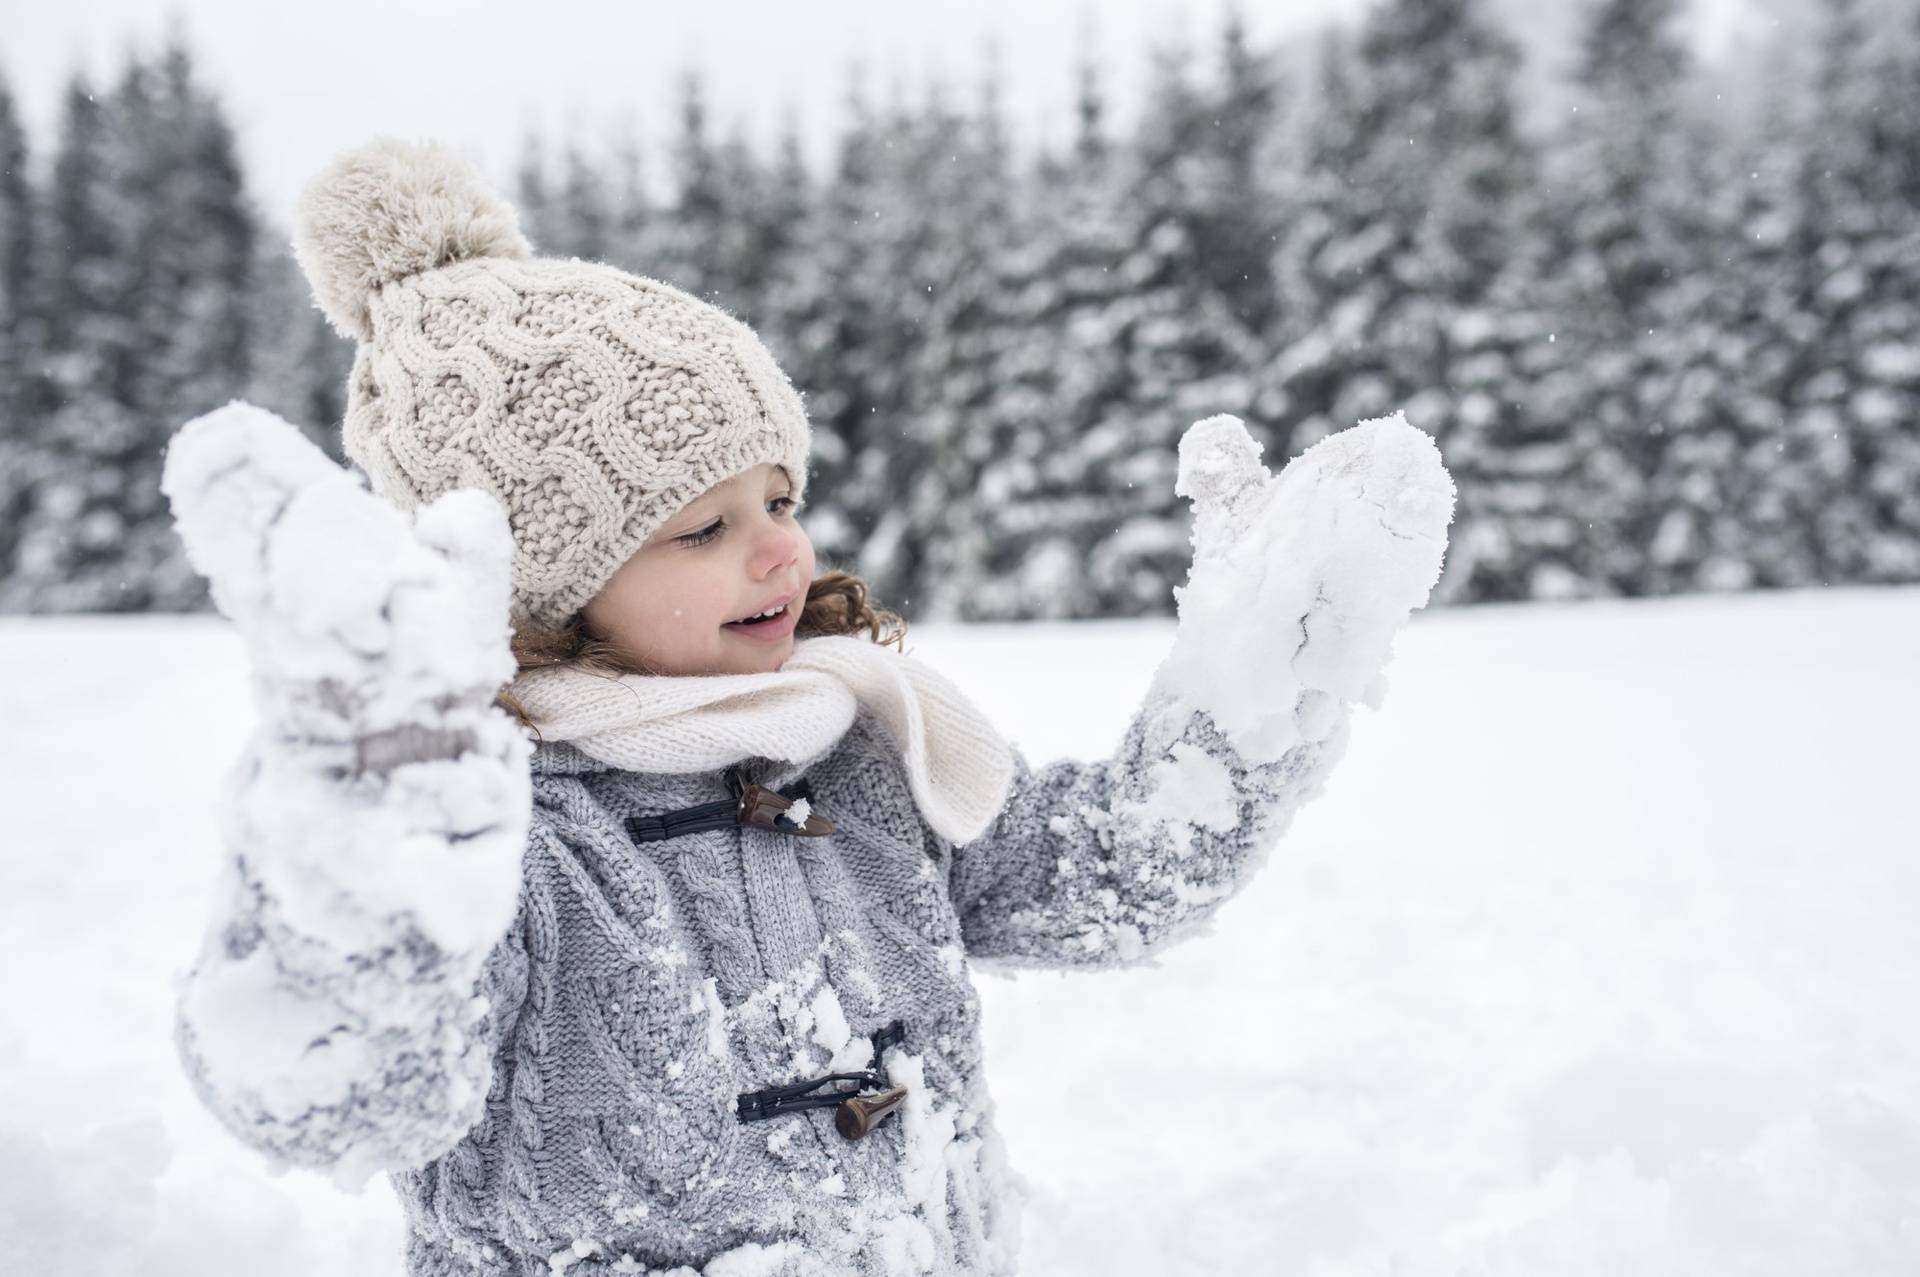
(704,535)
(714,529)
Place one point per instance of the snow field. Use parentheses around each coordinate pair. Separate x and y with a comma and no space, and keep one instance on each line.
(1597,955)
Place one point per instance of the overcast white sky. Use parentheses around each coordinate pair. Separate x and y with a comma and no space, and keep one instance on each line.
(303,81)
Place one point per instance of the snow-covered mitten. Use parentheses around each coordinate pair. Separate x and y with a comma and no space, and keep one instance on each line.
(365,628)
(376,820)
(1301,580)
(1299,583)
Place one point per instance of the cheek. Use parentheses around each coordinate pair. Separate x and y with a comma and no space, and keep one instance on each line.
(690,602)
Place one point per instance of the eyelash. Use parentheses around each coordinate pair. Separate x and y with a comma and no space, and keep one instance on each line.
(708,533)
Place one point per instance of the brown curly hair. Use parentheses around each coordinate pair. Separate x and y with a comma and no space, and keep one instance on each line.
(837,603)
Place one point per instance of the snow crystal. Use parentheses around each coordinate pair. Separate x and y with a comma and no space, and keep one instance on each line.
(755,1260)
(845,1052)
(1192,789)
(668,955)
(1100,821)
(905,1246)
(286,1048)
(1188,892)
(1127,940)
(568,1256)
(929,1130)
(709,997)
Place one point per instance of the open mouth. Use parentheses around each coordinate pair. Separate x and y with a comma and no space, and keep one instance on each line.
(771,621)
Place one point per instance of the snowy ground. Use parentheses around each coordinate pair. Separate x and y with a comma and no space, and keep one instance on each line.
(1600,954)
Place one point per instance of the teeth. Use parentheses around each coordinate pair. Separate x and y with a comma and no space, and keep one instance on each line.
(772,611)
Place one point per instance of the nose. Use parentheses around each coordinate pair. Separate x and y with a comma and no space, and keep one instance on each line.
(775,546)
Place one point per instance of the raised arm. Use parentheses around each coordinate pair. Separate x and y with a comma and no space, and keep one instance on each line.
(363,956)
(1299,584)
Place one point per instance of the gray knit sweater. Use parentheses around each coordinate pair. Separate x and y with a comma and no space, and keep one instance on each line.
(644,985)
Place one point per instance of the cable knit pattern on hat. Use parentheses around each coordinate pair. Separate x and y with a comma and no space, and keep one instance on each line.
(592,403)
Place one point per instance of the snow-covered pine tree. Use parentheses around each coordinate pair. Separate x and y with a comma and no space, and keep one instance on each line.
(687,248)
(1852,416)
(1319,341)
(76,441)
(19,338)
(1180,352)
(725,221)
(151,244)
(855,324)
(194,246)
(774,223)
(817,335)
(1238,218)
(1765,338)
(201,229)
(585,207)
(738,251)
(571,215)
(533,196)
(969,336)
(1016,542)
(633,209)
(299,364)
(1635,272)
(16,246)
(924,301)
(1405,276)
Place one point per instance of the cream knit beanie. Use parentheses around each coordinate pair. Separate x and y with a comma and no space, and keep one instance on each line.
(592,403)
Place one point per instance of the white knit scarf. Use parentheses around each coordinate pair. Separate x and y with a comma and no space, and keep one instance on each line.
(958,767)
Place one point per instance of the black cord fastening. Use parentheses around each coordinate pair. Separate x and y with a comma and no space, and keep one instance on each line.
(758,1106)
(728,812)
(872,1086)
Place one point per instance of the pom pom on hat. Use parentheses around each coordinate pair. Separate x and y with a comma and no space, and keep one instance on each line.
(390,209)
(589,402)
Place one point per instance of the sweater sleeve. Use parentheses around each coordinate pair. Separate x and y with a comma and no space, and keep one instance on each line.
(364,957)
(1299,585)
(1104,863)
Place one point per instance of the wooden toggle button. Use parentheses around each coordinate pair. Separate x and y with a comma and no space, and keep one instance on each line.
(854,1116)
(763,808)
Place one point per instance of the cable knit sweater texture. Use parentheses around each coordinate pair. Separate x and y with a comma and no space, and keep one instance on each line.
(643,986)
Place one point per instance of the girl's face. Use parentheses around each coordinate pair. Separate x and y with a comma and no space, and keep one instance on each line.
(731,552)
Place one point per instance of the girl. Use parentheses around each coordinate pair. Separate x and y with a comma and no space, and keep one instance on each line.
(659,960)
